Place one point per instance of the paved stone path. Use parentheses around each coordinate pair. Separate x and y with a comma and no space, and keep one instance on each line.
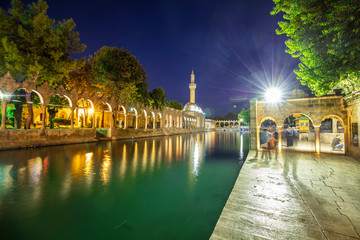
(292,195)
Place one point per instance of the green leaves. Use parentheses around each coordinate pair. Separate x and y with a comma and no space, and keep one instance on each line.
(323,35)
(174,104)
(34,45)
(118,74)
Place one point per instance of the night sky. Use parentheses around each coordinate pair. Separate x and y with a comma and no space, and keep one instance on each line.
(231,45)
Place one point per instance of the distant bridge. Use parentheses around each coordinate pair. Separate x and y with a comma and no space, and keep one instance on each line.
(227,123)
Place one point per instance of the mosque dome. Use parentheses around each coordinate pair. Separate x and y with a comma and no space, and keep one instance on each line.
(192,107)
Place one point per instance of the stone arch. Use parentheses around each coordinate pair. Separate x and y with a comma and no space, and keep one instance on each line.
(268,118)
(54,111)
(301,113)
(84,109)
(121,117)
(170,120)
(333,116)
(25,110)
(142,119)
(40,96)
(132,118)
(158,120)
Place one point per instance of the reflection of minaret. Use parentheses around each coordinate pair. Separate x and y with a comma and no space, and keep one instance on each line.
(192,87)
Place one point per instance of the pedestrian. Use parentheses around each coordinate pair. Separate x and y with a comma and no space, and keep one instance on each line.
(289,137)
(269,139)
(336,143)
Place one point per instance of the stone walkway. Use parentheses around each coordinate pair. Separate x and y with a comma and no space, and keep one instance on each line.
(292,195)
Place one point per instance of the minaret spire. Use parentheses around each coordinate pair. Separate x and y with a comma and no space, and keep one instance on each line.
(192,87)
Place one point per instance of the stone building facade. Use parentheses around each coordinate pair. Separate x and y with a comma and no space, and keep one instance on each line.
(87,112)
(346,110)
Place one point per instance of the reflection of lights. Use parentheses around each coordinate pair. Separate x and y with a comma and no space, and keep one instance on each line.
(123,163)
(35,168)
(273,95)
(105,168)
(88,164)
(196,160)
(135,159)
(5,178)
(241,147)
(152,156)
(144,160)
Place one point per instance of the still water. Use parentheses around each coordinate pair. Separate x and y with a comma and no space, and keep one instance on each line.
(171,187)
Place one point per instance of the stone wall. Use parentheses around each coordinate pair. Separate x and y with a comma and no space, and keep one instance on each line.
(317,109)
(353,108)
(14,139)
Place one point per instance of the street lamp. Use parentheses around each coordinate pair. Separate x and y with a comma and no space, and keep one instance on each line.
(273,95)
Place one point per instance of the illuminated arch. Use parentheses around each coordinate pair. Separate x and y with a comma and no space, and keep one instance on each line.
(269,118)
(306,115)
(110,108)
(40,96)
(333,116)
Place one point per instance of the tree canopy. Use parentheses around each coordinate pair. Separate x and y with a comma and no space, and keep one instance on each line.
(159,97)
(231,116)
(325,36)
(244,115)
(117,74)
(36,46)
(174,104)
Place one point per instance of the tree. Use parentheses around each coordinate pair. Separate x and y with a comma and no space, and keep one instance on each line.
(244,115)
(117,73)
(231,116)
(35,46)
(325,36)
(56,103)
(159,97)
(174,104)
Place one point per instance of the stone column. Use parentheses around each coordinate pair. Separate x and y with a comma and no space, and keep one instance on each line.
(154,122)
(72,118)
(136,122)
(111,119)
(125,120)
(334,125)
(146,122)
(258,137)
(44,117)
(3,113)
(94,119)
(346,139)
(279,138)
(317,138)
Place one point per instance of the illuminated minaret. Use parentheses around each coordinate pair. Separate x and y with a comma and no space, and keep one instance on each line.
(192,87)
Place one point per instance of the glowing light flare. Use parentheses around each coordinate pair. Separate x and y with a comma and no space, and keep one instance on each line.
(273,95)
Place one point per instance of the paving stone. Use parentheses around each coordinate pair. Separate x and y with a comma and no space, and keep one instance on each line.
(293,196)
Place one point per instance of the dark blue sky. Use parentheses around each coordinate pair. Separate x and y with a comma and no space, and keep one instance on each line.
(230,44)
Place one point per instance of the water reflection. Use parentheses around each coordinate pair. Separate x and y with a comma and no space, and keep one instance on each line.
(94,165)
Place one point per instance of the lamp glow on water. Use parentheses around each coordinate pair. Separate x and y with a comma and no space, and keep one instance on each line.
(273,95)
